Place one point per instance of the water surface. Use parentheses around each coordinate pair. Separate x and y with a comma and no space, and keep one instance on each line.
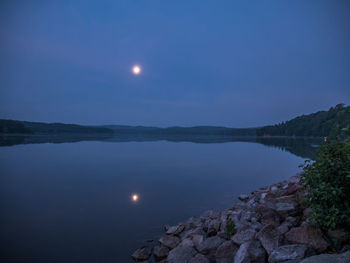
(71,202)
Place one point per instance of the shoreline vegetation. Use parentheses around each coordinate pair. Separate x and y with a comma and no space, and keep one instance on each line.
(332,123)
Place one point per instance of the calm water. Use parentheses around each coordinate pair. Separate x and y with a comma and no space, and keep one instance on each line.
(71,202)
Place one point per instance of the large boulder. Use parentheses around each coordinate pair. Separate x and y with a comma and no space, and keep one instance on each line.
(169,241)
(244,234)
(286,209)
(250,252)
(289,252)
(309,235)
(142,254)
(181,254)
(226,252)
(243,197)
(160,252)
(175,230)
(269,237)
(268,215)
(213,227)
(210,245)
(329,258)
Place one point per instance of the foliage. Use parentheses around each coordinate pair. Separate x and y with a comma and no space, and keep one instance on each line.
(10,126)
(327,180)
(332,123)
(230,227)
(25,127)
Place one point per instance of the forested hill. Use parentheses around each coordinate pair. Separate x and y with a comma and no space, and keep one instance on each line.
(332,123)
(25,127)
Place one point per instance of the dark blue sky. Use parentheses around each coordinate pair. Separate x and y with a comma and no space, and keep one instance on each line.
(231,63)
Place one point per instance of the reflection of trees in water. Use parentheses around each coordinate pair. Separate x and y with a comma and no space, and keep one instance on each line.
(303,147)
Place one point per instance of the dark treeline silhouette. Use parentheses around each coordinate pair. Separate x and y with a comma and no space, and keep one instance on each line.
(25,127)
(332,123)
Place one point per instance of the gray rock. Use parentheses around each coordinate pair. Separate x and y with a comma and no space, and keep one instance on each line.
(243,197)
(142,254)
(250,252)
(209,245)
(175,230)
(268,215)
(329,258)
(243,235)
(160,252)
(308,235)
(169,241)
(197,240)
(226,252)
(286,208)
(289,252)
(181,254)
(187,242)
(211,214)
(213,227)
(199,258)
(269,237)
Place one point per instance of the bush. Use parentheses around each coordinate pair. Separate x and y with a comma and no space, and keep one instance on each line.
(327,180)
(230,227)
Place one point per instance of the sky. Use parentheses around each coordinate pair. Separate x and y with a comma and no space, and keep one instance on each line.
(226,63)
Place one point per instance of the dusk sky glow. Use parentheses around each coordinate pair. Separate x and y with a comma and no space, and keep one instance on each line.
(226,63)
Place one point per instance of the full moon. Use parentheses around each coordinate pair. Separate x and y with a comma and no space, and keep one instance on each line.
(136,70)
(135,197)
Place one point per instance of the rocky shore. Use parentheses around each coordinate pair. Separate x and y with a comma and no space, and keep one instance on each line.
(269,225)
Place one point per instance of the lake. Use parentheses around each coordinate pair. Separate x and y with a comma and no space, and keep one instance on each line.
(71,201)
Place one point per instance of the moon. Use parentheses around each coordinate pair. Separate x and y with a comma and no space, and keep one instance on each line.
(135,197)
(136,70)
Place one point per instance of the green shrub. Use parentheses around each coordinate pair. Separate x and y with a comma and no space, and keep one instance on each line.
(327,180)
(230,227)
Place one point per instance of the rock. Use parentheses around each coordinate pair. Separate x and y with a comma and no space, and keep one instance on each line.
(142,254)
(308,235)
(181,254)
(197,240)
(187,242)
(190,233)
(213,227)
(268,215)
(244,234)
(243,197)
(160,252)
(285,199)
(209,245)
(289,252)
(328,258)
(273,188)
(247,216)
(175,230)
(269,237)
(199,258)
(250,252)
(292,189)
(169,241)
(211,214)
(284,227)
(286,208)
(226,252)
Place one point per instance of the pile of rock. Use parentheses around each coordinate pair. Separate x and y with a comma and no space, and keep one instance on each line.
(271,226)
